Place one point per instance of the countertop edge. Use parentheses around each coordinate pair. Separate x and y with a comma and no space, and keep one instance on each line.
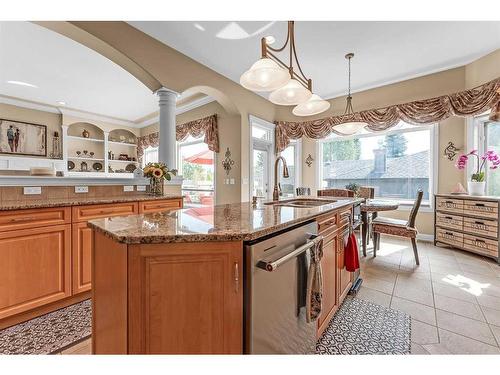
(207,237)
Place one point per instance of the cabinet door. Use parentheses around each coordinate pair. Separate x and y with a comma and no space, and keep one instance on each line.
(34,268)
(81,256)
(329,271)
(344,277)
(186,298)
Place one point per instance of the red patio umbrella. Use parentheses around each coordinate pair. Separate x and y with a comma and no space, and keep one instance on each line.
(205,157)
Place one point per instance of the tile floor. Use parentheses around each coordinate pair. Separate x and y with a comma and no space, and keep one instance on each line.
(453,297)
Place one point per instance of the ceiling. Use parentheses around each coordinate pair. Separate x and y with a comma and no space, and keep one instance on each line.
(385,52)
(64,70)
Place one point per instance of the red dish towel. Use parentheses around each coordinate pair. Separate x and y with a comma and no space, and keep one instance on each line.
(351,256)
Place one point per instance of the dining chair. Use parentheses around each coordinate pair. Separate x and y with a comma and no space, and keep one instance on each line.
(367,192)
(399,228)
(336,193)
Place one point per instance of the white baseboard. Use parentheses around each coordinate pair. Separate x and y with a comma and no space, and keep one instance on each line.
(425,237)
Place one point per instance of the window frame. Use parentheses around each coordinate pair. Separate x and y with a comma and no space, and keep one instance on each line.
(404,205)
(263,145)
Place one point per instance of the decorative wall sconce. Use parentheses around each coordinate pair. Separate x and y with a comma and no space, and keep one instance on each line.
(450,151)
(227,163)
(309,160)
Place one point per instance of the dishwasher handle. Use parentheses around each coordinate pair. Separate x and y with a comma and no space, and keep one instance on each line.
(273,265)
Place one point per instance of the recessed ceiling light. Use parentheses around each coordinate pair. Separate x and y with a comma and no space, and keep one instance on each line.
(199,27)
(21,83)
(270,39)
(60,102)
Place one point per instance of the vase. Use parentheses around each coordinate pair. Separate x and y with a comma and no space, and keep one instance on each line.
(155,186)
(476,188)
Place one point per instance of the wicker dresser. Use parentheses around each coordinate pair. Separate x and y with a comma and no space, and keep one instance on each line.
(468,222)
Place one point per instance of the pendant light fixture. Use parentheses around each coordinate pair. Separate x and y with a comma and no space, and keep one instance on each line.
(350,127)
(288,86)
(313,106)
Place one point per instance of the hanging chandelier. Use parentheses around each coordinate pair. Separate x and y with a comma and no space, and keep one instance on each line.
(288,86)
(350,127)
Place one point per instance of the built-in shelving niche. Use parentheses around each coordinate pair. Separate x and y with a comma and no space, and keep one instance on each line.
(122,144)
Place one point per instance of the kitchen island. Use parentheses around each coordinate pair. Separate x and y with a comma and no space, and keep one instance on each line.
(173,282)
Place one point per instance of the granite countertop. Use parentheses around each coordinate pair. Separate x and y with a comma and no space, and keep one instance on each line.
(77,201)
(230,222)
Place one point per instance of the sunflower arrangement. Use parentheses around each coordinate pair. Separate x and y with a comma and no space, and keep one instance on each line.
(159,171)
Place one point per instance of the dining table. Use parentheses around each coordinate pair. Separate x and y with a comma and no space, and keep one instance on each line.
(373,207)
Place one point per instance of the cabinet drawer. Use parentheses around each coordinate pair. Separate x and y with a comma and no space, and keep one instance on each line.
(481,245)
(481,208)
(84,213)
(39,217)
(345,216)
(327,222)
(449,221)
(450,205)
(450,237)
(159,205)
(479,226)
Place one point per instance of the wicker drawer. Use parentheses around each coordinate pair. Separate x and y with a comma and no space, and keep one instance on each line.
(84,213)
(481,245)
(450,205)
(479,226)
(449,221)
(38,217)
(450,237)
(481,208)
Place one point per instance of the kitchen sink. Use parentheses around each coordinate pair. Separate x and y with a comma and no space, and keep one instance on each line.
(304,202)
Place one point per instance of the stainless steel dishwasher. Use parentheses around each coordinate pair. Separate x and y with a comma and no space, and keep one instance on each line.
(275,293)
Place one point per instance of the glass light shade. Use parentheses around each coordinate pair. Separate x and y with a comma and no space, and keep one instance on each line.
(292,93)
(264,75)
(313,106)
(349,128)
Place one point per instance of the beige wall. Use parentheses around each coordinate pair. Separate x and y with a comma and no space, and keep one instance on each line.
(229,136)
(483,70)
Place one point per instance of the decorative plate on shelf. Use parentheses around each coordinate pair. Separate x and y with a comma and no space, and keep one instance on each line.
(130,168)
(97,166)
(71,165)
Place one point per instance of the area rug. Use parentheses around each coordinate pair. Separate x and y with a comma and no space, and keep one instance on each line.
(49,333)
(362,327)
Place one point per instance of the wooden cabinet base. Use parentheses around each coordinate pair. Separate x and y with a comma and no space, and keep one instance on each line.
(174,298)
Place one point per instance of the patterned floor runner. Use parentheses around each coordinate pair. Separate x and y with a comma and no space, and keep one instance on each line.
(362,327)
(49,333)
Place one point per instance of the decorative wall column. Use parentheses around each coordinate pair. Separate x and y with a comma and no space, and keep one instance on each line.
(166,128)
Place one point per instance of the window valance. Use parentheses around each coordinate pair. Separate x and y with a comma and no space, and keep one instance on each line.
(465,103)
(206,126)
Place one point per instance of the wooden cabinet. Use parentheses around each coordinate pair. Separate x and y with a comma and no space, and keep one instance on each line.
(344,277)
(23,219)
(35,268)
(159,205)
(81,250)
(96,211)
(176,298)
(329,271)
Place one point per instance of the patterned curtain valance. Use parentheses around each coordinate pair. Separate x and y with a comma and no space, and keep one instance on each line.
(204,126)
(465,103)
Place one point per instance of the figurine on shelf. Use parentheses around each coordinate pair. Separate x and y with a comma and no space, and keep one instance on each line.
(78,153)
(91,154)
(85,133)
(85,152)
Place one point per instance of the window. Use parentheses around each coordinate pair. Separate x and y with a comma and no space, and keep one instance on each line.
(292,156)
(262,157)
(397,162)
(196,165)
(484,135)
(150,156)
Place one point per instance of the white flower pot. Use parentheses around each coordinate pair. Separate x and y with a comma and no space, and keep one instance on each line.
(476,188)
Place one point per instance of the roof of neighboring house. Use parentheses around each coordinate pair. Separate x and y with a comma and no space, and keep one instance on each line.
(407,166)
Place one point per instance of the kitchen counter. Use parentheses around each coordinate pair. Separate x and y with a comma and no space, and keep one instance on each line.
(231,222)
(76,201)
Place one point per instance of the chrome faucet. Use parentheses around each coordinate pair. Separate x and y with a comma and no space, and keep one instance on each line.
(277,186)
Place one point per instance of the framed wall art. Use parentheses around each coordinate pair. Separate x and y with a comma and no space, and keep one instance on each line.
(22,138)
